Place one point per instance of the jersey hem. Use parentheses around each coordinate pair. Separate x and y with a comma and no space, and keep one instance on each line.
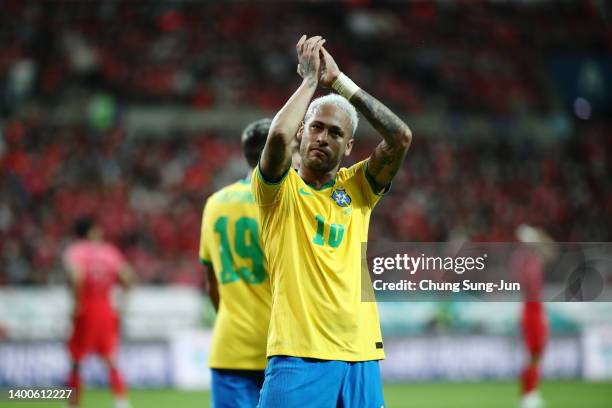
(205,262)
(250,367)
(330,356)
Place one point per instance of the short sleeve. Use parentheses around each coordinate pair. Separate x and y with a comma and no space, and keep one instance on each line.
(204,252)
(372,192)
(267,193)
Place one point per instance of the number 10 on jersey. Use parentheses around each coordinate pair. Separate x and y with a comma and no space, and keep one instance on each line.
(336,233)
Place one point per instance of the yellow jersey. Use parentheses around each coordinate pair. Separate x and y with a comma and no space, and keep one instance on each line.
(230,242)
(312,240)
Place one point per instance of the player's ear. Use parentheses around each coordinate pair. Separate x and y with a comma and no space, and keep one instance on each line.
(349,146)
(300,132)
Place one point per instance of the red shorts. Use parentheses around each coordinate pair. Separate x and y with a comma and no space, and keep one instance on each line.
(94,333)
(535,327)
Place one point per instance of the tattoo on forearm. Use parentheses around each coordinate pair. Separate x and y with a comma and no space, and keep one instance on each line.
(389,154)
(387,163)
(382,119)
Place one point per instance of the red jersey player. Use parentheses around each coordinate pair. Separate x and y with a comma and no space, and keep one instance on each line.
(528,264)
(94,267)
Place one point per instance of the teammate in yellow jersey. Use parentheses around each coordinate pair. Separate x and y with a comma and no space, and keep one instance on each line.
(238,285)
(324,343)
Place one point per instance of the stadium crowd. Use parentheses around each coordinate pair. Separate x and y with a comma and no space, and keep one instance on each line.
(148,192)
(213,54)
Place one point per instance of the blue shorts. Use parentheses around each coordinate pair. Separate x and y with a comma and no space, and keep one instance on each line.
(305,382)
(236,388)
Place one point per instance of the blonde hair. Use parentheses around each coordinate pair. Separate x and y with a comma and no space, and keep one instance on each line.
(338,101)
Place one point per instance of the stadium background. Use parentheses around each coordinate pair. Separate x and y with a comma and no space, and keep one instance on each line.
(132,111)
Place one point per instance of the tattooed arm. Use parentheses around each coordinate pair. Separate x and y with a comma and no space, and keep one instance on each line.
(387,158)
(276,155)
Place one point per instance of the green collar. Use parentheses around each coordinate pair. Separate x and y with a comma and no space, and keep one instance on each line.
(324,186)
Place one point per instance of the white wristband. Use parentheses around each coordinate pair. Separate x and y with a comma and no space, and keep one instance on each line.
(345,86)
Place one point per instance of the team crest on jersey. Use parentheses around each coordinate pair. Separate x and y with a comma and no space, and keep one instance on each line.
(341,197)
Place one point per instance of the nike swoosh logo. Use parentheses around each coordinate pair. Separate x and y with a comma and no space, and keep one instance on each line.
(304,192)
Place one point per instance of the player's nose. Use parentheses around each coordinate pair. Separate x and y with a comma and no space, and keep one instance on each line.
(322,137)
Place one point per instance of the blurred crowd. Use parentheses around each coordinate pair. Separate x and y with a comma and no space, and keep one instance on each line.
(147,192)
(482,57)
(482,190)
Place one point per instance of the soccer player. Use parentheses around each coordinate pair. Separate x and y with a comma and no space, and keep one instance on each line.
(324,342)
(528,264)
(239,286)
(94,267)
